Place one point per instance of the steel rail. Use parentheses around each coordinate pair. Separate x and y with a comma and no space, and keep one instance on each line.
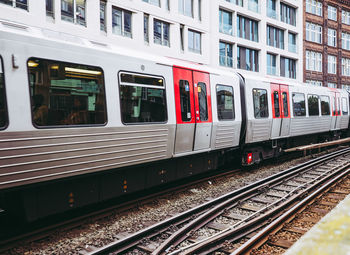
(122,245)
(214,241)
(259,238)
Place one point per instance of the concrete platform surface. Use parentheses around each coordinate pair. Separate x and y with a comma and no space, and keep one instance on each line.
(330,236)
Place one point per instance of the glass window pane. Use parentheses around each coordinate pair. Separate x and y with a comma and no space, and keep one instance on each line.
(225,102)
(64,94)
(276,103)
(202,101)
(285,104)
(299,104)
(3,105)
(260,103)
(185,100)
(344,106)
(313,105)
(325,106)
(67,12)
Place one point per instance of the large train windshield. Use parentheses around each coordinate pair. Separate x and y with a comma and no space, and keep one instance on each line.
(65,94)
(3,110)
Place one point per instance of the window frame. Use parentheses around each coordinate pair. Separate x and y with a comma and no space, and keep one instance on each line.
(142,86)
(7,120)
(267,104)
(294,115)
(122,24)
(233,102)
(329,105)
(347,106)
(318,104)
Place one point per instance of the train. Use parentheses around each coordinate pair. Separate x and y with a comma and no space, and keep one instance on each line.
(83,122)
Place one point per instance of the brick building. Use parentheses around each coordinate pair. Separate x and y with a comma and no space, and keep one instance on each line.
(327,43)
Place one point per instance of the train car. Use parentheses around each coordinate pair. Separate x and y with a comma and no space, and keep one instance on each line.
(287,114)
(83,122)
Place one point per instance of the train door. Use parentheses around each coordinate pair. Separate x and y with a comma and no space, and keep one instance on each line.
(335,110)
(193,110)
(280,110)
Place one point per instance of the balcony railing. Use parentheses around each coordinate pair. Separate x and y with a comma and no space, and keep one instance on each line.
(226,29)
(272,13)
(226,61)
(292,47)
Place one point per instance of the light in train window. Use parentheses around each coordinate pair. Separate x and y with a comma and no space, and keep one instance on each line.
(65,94)
(142,99)
(3,110)
(314,109)
(261,109)
(299,104)
(285,104)
(202,101)
(325,105)
(185,100)
(225,102)
(276,103)
(345,106)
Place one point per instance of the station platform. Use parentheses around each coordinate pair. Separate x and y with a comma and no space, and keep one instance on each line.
(330,236)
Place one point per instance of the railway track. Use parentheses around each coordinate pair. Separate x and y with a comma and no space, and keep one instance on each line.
(218,225)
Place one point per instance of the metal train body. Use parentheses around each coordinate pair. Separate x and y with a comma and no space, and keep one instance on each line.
(47,169)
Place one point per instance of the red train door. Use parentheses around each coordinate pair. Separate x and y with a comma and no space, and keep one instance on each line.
(280,110)
(193,110)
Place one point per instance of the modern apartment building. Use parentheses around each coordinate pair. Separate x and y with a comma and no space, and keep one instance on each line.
(253,36)
(327,43)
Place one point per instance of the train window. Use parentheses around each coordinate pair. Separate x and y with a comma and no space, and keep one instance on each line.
(334,108)
(325,106)
(142,98)
(261,109)
(225,102)
(276,103)
(185,100)
(338,105)
(3,110)
(299,104)
(345,106)
(314,109)
(285,104)
(202,101)
(66,94)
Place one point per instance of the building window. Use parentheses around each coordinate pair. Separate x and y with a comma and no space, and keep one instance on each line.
(121,22)
(346,87)
(271,64)
(292,42)
(50,7)
(314,7)
(345,41)
(253,5)
(298,104)
(345,66)
(345,109)
(332,64)
(332,37)
(288,14)
(167,5)
(66,94)
(186,7)
(313,32)
(261,109)
(314,109)
(146,28)
(332,13)
(288,67)
(225,102)
(225,52)
(315,83)
(275,37)
(345,17)
(247,28)
(313,61)
(237,2)
(332,85)
(182,29)
(103,26)
(161,32)
(247,59)
(68,13)
(22,4)
(154,2)
(225,22)
(271,9)
(199,9)
(194,41)
(142,98)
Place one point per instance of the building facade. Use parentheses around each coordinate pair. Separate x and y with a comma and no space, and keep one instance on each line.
(251,36)
(327,43)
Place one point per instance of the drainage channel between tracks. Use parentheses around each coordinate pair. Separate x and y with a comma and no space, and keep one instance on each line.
(232,216)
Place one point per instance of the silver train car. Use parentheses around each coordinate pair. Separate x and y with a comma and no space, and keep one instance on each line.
(83,122)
